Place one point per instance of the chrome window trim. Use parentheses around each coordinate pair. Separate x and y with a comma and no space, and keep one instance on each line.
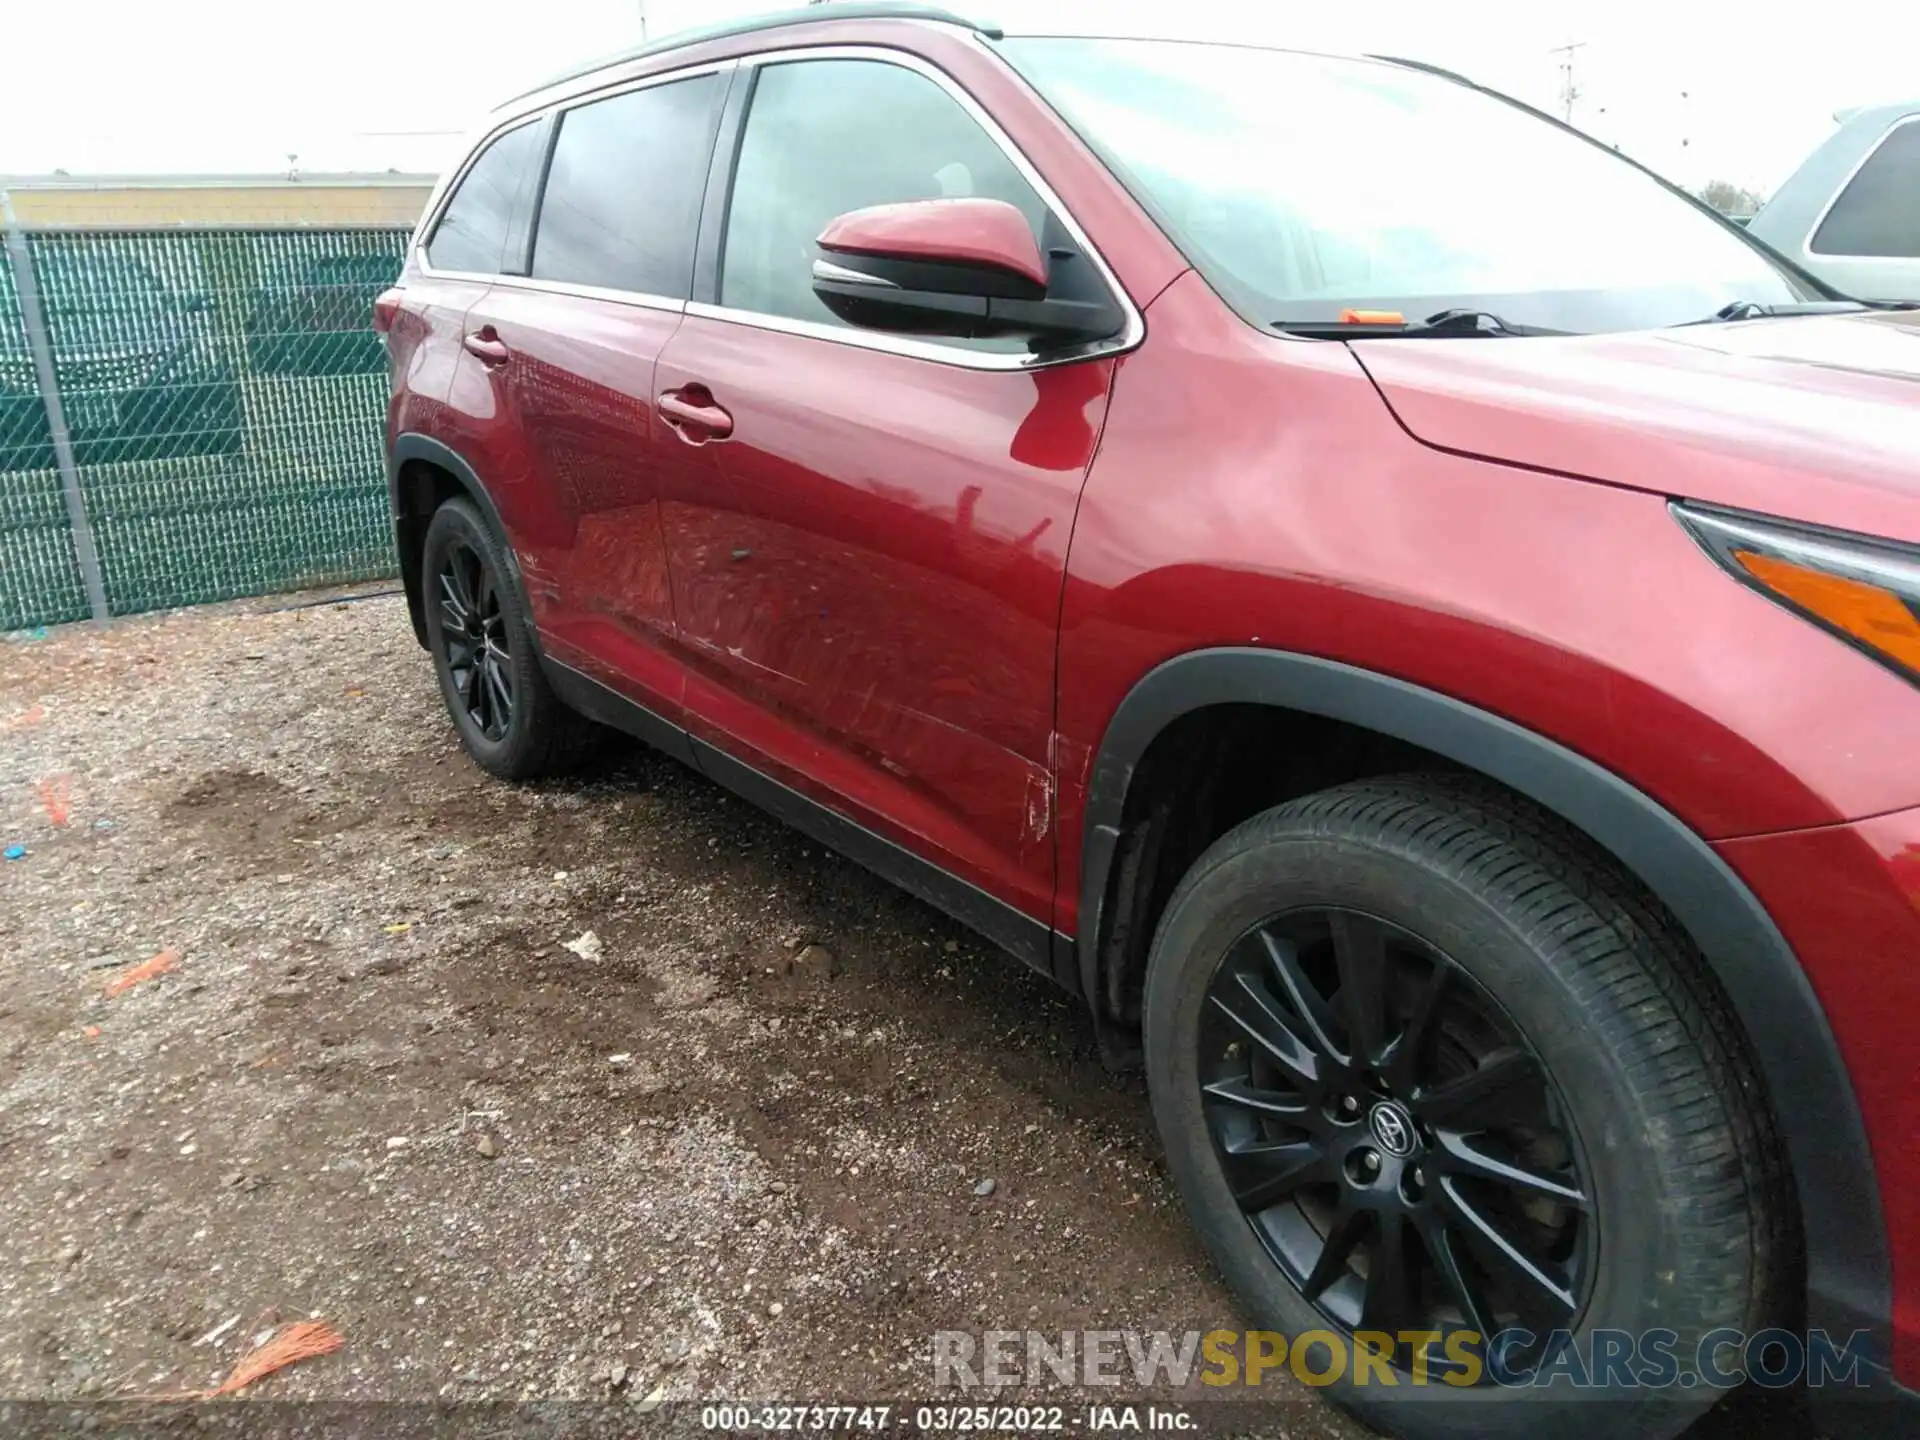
(900,344)
(827,270)
(1131,334)
(603,86)
(615,68)
(536,115)
(1806,242)
(637,298)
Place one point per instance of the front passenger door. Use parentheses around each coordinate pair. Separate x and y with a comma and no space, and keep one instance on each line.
(867,543)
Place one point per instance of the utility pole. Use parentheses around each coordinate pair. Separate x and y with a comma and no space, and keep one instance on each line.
(643,20)
(1569,92)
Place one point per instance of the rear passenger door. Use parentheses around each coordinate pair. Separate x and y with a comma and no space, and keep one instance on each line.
(867,532)
(461,254)
(564,344)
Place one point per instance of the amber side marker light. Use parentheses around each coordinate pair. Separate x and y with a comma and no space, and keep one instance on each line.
(1863,590)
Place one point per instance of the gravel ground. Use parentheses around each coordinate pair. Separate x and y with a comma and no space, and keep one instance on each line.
(732,1145)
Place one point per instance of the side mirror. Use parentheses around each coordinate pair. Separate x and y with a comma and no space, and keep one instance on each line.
(966,268)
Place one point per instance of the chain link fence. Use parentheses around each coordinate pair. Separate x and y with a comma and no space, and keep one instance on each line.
(214,427)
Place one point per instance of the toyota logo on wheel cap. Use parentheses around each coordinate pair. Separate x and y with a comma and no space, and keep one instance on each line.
(1392,1126)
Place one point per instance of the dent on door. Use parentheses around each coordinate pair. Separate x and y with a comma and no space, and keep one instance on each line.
(568,461)
(867,577)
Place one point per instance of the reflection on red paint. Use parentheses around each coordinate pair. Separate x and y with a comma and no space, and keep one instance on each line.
(1058,433)
(1905,868)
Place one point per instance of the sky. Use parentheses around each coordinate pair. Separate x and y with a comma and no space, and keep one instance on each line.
(1699,89)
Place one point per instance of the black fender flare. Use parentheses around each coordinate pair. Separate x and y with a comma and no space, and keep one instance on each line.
(1848,1267)
(411,446)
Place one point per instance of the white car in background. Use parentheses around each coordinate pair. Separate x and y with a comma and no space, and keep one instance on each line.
(1851,212)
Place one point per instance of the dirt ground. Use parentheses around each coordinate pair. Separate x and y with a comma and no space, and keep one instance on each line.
(389,1084)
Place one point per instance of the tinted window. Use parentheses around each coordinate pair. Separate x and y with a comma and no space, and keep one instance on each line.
(472,233)
(623,191)
(816,147)
(1879,211)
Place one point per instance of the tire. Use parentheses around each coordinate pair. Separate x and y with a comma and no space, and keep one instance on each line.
(481,614)
(1595,1059)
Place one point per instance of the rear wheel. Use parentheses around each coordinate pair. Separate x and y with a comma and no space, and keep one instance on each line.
(481,638)
(1423,1061)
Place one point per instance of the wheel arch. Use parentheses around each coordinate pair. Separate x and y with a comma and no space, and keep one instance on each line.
(1849,1285)
(421,474)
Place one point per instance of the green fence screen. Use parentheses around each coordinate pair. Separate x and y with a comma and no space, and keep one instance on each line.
(225,395)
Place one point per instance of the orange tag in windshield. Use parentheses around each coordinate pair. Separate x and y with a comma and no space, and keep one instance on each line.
(1372,317)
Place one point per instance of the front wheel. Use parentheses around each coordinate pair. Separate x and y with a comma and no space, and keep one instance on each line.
(1430,1072)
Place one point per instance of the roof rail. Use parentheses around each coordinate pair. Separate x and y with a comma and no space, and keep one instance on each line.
(1428,66)
(811,14)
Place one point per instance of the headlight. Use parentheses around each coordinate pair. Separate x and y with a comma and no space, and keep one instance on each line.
(1865,591)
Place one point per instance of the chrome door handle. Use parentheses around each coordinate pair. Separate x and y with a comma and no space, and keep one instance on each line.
(695,419)
(484,343)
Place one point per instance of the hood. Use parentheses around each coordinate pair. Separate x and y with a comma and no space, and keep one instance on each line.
(1813,418)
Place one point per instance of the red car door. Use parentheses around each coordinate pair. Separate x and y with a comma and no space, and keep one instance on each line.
(454,267)
(867,534)
(567,349)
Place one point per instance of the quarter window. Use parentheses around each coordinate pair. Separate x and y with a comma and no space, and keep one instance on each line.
(1879,212)
(622,199)
(473,229)
(827,136)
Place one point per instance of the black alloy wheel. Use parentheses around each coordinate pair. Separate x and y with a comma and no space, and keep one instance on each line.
(485,654)
(474,639)
(1424,1059)
(1391,1138)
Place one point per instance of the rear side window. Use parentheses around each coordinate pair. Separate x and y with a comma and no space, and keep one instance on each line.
(827,136)
(472,233)
(623,191)
(1879,211)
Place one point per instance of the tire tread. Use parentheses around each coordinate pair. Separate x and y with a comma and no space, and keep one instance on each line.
(1636,978)
(555,738)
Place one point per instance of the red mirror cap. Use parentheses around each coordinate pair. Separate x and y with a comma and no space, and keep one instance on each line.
(964,231)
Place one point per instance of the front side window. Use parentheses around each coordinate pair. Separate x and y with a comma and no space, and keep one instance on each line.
(472,233)
(1304,185)
(827,136)
(1878,214)
(622,200)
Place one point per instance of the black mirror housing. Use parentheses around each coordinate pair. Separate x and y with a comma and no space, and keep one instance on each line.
(917,297)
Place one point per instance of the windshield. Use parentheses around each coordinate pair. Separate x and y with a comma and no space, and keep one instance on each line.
(1304,185)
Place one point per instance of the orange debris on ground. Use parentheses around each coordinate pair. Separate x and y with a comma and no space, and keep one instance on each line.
(302,1340)
(146,970)
(55,797)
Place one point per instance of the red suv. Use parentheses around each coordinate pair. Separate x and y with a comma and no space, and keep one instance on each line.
(1409,616)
